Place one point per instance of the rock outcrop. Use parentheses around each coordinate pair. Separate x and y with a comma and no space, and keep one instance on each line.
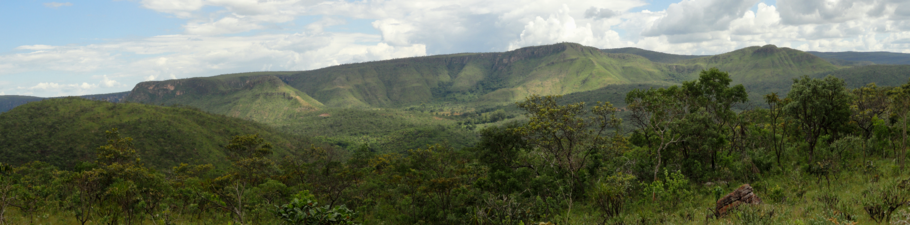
(742,195)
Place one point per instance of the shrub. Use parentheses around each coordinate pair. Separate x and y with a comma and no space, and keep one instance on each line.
(303,209)
(881,200)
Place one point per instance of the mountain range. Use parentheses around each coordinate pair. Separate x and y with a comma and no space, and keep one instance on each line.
(406,103)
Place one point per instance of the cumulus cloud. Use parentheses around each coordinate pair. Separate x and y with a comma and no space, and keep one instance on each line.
(562,27)
(693,16)
(799,12)
(107,82)
(600,13)
(57,4)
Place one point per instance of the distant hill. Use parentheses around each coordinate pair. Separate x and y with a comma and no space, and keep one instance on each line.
(8,102)
(890,58)
(659,57)
(64,131)
(882,75)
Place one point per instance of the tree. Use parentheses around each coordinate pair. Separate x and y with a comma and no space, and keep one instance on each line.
(6,190)
(251,167)
(774,110)
(713,97)
(658,111)
(566,139)
(900,98)
(868,103)
(820,106)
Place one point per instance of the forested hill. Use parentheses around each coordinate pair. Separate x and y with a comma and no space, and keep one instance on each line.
(484,78)
(64,131)
(8,102)
(889,58)
(497,78)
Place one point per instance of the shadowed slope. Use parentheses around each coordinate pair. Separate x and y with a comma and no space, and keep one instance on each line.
(67,130)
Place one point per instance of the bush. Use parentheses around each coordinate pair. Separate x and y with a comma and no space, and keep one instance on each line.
(303,209)
(609,196)
(881,200)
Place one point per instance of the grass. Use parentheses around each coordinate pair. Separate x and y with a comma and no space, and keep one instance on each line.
(804,200)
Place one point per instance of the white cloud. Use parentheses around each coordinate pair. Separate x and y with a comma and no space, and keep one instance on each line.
(107,82)
(57,4)
(406,28)
(562,27)
(180,8)
(600,13)
(692,16)
(56,86)
(226,25)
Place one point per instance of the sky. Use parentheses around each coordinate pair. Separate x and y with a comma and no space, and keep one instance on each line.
(72,47)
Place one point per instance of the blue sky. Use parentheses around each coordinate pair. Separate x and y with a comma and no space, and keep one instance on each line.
(57,48)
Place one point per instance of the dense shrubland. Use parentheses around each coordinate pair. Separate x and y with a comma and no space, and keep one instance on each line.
(822,154)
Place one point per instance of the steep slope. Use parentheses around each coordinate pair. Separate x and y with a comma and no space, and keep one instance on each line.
(891,58)
(493,78)
(67,130)
(262,98)
(659,57)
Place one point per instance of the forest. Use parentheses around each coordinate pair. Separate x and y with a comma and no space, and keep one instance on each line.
(823,153)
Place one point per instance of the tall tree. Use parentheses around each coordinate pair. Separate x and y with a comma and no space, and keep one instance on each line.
(820,106)
(567,139)
(713,97)
(658,111)
(774,112)
(868,103)
(900,98)
(251,167)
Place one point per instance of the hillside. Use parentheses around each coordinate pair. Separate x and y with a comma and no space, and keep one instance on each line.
(489,78)
(8,102)
(67,130)
(260,98)
(882,75)
(891,58)
(658,57)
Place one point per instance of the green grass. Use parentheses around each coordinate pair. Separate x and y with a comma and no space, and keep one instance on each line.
(65,131)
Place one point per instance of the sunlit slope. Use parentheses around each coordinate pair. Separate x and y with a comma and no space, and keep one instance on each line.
(763,64)
(67,130)
(263,98)
(496,78)
(659,57)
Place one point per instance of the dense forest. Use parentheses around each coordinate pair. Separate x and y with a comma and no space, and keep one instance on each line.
(821,154)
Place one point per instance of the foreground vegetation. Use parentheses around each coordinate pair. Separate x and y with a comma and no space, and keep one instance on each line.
(822,154)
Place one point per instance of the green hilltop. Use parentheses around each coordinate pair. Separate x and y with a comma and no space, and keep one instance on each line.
(64,131)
